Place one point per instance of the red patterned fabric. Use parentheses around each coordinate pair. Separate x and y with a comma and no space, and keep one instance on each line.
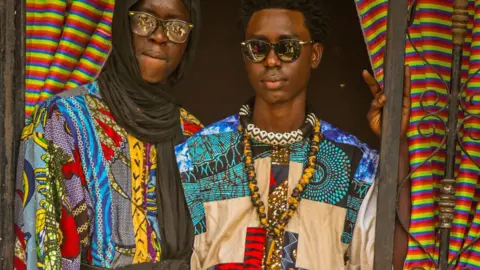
(254,245)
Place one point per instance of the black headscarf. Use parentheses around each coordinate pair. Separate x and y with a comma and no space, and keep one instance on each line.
(158,121)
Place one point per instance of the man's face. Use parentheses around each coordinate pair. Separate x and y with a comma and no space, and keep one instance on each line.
(156,56)
(274,81)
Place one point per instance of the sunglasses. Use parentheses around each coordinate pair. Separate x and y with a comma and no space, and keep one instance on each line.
(144,24)
(287,50)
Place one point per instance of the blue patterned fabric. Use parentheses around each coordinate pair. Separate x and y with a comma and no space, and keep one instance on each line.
(368,165)
(78,117)
(75,198)
(212,169)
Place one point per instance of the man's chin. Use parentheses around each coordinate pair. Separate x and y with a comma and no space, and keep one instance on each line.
(153,79)
(155,72)
(276,98)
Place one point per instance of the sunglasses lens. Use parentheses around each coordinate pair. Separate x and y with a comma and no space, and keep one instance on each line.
(142,24)
(256,50)
(177,31)
(288,50)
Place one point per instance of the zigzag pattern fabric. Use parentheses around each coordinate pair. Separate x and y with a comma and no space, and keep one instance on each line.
(274,138)
(67,42)
(431,35)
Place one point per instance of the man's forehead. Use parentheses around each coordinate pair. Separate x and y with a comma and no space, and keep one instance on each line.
(166,9)
(273,23)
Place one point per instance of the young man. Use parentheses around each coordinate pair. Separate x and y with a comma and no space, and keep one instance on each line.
(98,184)
(275,187)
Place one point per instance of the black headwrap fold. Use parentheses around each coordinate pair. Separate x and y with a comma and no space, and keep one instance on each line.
(150,114)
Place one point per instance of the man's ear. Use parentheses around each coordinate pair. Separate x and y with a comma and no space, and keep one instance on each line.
(317,54)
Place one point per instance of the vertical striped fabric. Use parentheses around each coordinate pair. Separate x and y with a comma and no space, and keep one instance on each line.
(67,42)
(467,216)
(431,35)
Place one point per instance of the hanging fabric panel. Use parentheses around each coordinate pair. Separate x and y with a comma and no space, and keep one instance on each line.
(429,55)
(67,43)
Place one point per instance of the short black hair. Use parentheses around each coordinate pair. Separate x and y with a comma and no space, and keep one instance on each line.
(316,18)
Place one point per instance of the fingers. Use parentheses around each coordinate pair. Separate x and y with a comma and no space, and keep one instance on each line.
(379,101)
(371,82)
(374,117)
(375,87)
(374,114)
(376,107)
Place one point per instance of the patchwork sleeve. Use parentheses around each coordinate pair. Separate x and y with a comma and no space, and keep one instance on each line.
(191,186)
(363,240)
(193,197)
(42,223)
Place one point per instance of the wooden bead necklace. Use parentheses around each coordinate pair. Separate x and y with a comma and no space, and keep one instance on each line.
(277,230)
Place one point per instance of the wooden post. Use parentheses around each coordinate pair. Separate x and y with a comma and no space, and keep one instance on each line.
(12,62)
(390,145)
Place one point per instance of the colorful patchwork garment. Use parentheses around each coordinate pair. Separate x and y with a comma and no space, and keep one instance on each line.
(333,227)
(86,189)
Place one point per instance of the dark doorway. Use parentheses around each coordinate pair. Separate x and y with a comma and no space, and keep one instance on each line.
(217,85)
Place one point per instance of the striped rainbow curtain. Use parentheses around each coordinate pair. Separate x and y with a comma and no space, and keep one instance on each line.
(430,38)
(67,42)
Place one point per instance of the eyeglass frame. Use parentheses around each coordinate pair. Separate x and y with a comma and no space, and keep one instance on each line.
(162,23)
(272,44)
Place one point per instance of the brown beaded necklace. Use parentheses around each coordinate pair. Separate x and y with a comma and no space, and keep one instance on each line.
(276,230)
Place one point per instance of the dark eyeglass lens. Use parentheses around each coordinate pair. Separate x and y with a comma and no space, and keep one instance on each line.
(143,24)
(257,50)
(288,50)
(177,31)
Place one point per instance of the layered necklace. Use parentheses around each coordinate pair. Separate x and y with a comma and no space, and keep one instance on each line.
(273,138)
(275,230)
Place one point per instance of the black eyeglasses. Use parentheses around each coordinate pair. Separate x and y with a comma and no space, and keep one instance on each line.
(287,50)
(144,24)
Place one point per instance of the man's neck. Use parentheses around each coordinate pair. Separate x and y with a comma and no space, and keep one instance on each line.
(284,117)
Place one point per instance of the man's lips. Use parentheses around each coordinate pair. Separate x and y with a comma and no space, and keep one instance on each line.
(274,82)
(155,55)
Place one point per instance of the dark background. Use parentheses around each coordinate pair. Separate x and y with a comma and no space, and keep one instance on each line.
(217,85)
